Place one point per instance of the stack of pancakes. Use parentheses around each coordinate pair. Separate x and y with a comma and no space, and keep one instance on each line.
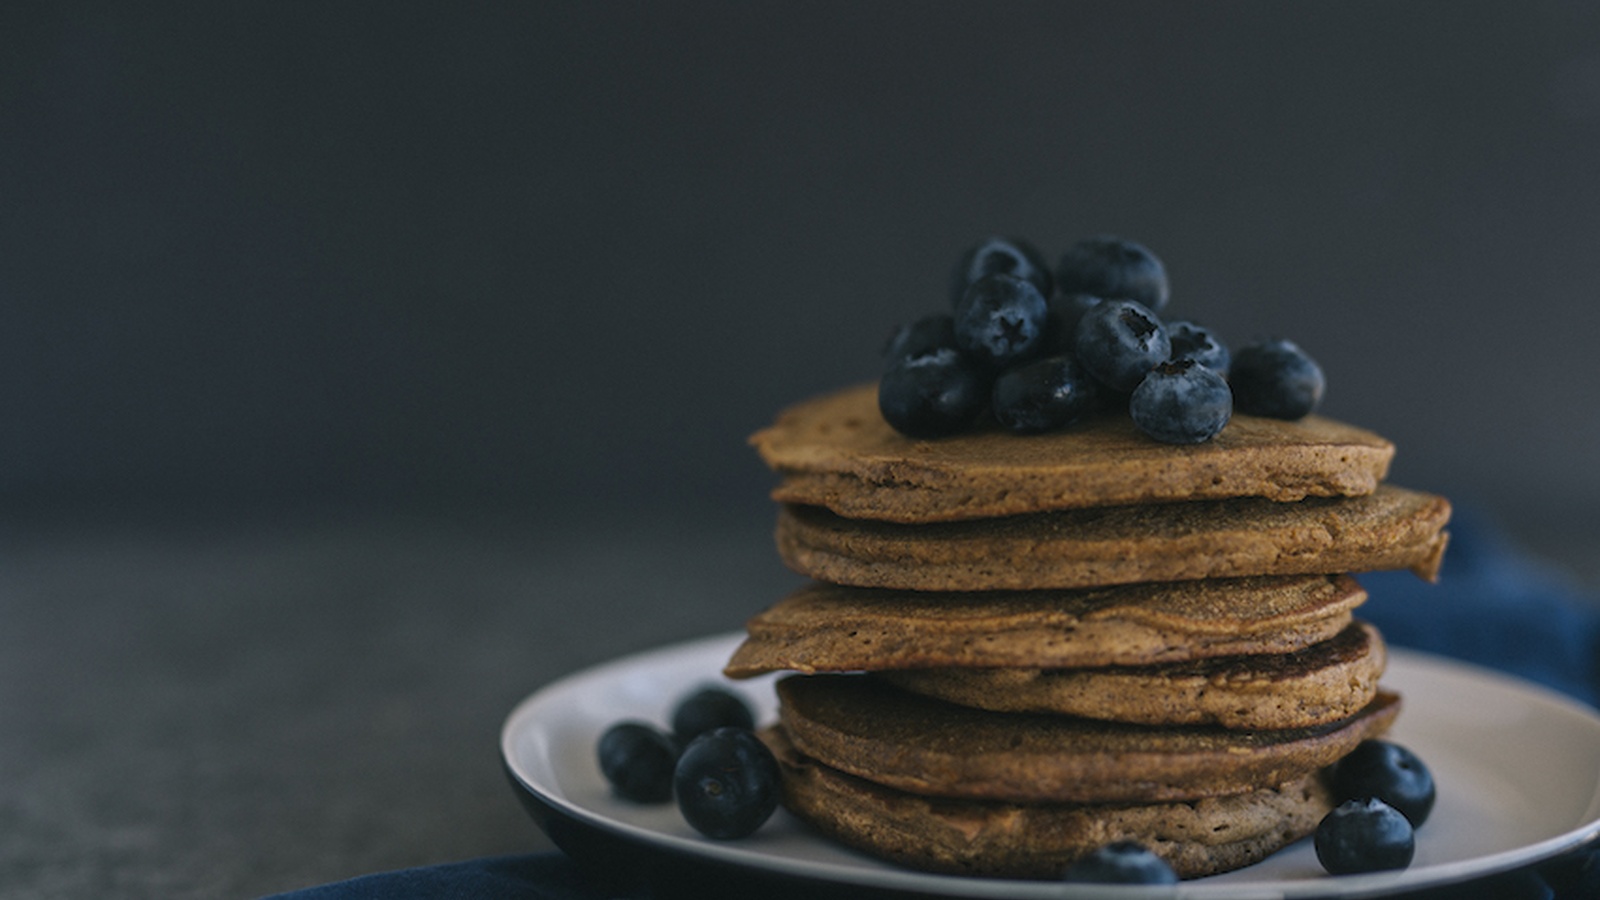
(1018,649)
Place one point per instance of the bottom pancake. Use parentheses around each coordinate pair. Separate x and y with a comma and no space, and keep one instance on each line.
(966,837)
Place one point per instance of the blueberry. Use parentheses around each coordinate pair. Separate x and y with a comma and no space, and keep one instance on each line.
(1001,256)
(707,708)
(1364,836)
(727,783)
(920,338)
(1119,341)
(1181,402)
(638,759)
(1122,862)
(1043,394)
(932,395)
(1061,320)
(1199,344)
(1275,378)
(1000,320)
(1113,268)
(1390,772)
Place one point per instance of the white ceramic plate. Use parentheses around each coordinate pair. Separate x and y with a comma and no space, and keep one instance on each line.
(1517,767)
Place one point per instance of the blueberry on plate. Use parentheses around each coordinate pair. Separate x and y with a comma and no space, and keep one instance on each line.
(1000,320)
(1114,268)
(1275,378)
(1181,402)
(727,783)
(932,395)
(1001,256)
(1364,836)
(1122,862)
(1119,341)
(637,759)
(1199,344)
(925,335)
(1043,394)
(1389,772)
(707,708)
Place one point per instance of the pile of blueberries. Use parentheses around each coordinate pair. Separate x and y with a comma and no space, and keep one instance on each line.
(725,780)
(1036,349)
(1385,791)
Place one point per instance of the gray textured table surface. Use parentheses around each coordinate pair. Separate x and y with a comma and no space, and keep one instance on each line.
(233,711)
(225,712)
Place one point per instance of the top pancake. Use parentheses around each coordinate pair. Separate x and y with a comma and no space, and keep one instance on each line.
(837,451)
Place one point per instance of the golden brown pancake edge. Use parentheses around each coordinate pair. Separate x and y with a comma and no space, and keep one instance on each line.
(1316,685)
(1393,528)
(966,837)
(823,627)
(868,728)
(837,451)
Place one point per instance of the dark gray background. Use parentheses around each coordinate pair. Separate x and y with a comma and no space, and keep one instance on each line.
(537,255)
(365,366)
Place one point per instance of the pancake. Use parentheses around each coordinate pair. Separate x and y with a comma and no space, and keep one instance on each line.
(838,452)
(966,837)
(1392,528)
(1323,683)
(830,628)
(868,728)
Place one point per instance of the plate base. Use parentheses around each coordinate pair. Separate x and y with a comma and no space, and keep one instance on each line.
(1518,769)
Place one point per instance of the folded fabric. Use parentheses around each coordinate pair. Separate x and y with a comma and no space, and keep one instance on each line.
(1491,605)
(527,876)
(1496,607)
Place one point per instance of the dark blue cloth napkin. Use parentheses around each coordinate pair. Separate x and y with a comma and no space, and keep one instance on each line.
(545,876)
(1492,606)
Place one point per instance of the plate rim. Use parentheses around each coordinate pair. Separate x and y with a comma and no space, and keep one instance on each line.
(1351,886)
